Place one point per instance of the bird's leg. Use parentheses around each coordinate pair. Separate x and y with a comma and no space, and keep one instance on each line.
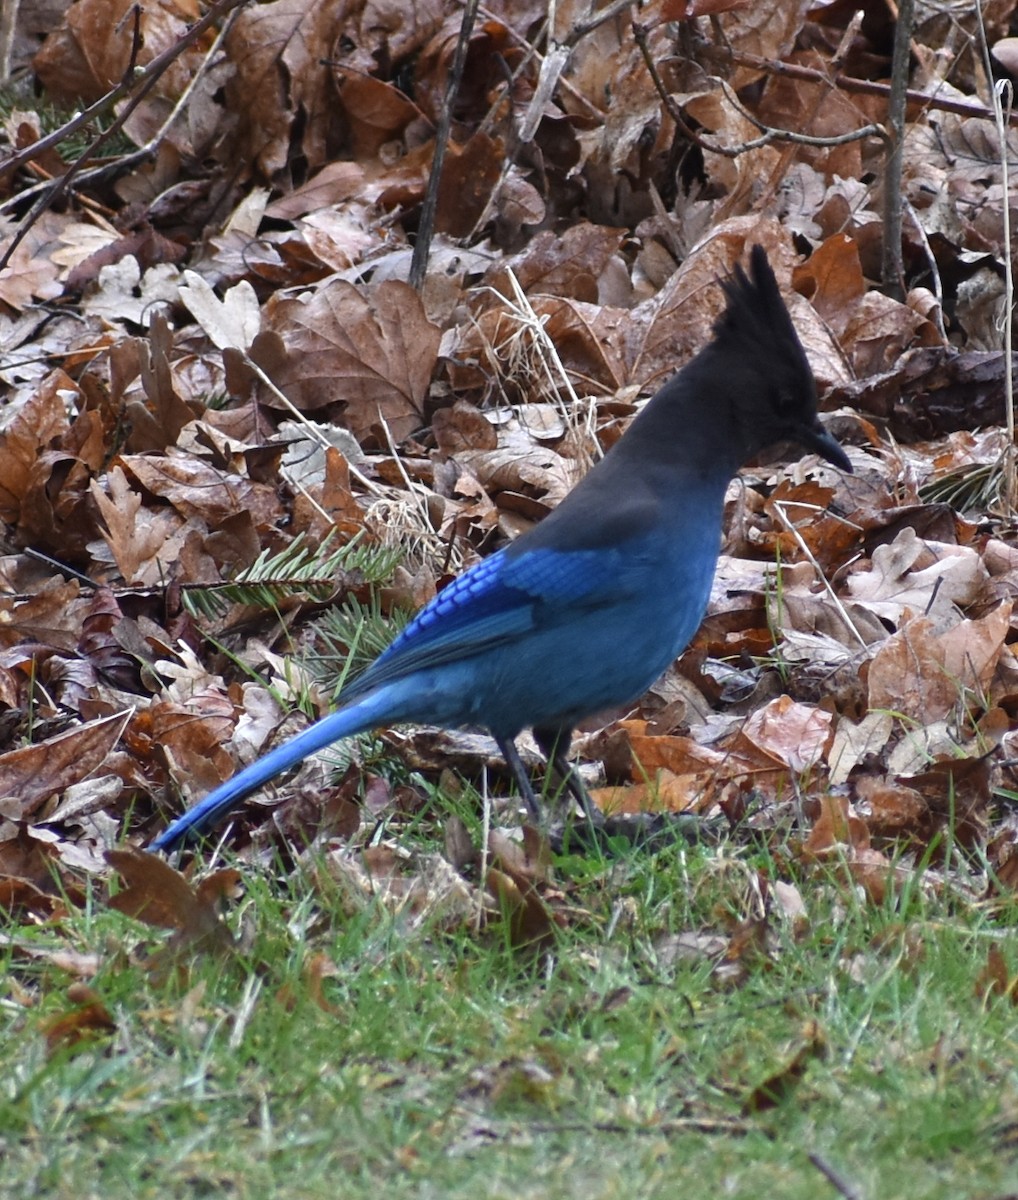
(554,745)
(512,757)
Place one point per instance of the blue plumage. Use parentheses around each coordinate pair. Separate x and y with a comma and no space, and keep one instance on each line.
(586,610)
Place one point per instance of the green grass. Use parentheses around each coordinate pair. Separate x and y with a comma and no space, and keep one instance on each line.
(449,1064)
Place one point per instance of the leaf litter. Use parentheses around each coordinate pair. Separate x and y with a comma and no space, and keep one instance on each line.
(239,298)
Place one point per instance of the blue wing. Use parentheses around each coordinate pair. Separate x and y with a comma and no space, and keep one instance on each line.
(493,603)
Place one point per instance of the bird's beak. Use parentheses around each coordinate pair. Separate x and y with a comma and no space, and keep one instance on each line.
(817,439)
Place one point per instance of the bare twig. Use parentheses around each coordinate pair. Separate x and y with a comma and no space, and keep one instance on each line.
(894,276)
(135,83)
(595,21)
(1003,94)
(848,83)
(1003,100)
(835,1179)
(155,141)
(811,113)
(770,134)
(937,285)
(8,25)
(16,161)
(552,64)
(313,433)
(426,226)
(811,558)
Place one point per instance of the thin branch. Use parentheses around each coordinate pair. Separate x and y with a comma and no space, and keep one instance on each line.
(16,161)
(893,271)
(8,27)
(53,139)
(138,84)
(1003,100)
(426,226)
(848,83)
(770,135)
(595,21)
(835,1178)
(825,582)
(156,140)
(773,134)
(937,285)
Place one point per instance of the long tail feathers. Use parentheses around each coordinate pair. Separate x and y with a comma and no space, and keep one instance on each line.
(366,714)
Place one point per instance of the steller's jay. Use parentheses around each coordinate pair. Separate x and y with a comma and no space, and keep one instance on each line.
(586,610)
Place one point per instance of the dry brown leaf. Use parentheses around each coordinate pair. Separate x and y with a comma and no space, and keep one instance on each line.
(832,280)
(281,87)
(188,736)
(881,330)
(33,774)
(855,741)
(793,735)
(1002,854)
(956,794)
(319,968)
(87,1020)
(126,293)
(568,265)
(371,350)
(837,826)
(924,577)
(682,756)
(994,979)
(521,464)
(927,676)
(470,174)
(531,924)
(87,56)
(143,544)
(778,1088)
(666,792)
(890,808)
(27,277)
(423,890)
(376,110)
(158,895)
(37,426)
(197,490)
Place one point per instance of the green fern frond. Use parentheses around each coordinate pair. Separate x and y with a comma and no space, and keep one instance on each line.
(352,636)
(301,571)
(970,486)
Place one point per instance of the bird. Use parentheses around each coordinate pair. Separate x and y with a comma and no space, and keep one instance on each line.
(583,612)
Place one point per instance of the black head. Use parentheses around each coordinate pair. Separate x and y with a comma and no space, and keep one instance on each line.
(771,384)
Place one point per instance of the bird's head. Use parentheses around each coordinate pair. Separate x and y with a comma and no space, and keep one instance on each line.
(768,380)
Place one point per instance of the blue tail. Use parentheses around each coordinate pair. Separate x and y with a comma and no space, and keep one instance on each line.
(370,712)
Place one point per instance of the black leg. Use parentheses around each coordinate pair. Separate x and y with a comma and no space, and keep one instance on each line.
(554,744)
(512,757)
